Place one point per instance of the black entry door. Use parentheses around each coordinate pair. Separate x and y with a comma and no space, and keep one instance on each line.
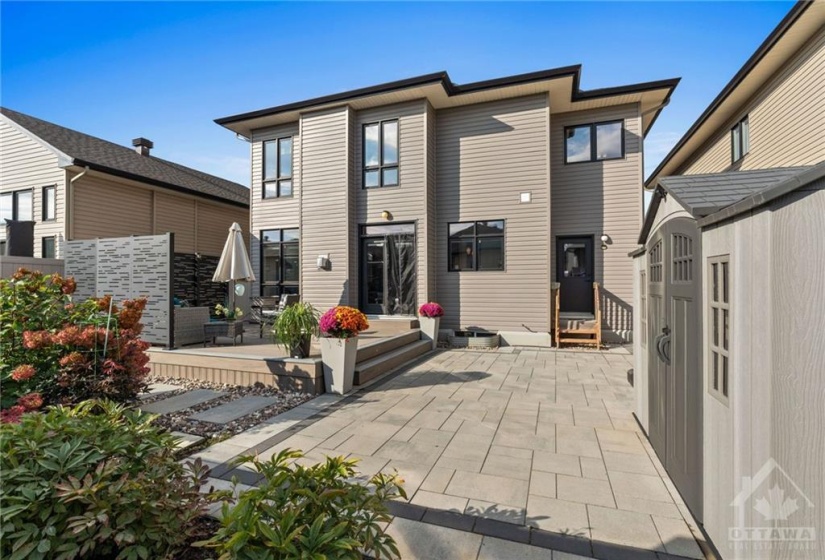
(388,272)
(574,273)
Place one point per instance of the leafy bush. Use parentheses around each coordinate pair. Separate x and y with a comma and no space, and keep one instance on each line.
(94,481)
(308,512)
(294,327)
(55,350)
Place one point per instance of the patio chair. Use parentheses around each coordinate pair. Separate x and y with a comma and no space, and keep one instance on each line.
(266,309)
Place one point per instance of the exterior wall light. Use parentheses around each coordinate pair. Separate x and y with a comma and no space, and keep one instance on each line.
(386,215)
(604,239)
(323,262)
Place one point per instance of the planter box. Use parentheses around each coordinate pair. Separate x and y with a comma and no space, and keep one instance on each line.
(338,356)
(474,340)
(429,329)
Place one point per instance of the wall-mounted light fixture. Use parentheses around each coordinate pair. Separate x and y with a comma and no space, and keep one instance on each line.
(323,262)
(386,215)
(604,239)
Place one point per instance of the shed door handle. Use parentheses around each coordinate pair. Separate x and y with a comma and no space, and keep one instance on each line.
(661,341)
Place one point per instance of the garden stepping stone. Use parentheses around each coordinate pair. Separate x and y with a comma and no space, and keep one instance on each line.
(182,402)
(234,409)
(186,440)
(156,389)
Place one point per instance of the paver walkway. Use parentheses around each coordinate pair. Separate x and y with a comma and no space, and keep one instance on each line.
(528,446)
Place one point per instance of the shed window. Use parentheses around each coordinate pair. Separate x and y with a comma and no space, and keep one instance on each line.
(280,261)
(719,331)
(594,142)
(655,262)
(380,154)
(277,172)
(740,141)
(682,269)
(476,245)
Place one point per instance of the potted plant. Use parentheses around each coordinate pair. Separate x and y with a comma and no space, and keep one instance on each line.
(294,328)
(339,346)
(228,314)
(429,317)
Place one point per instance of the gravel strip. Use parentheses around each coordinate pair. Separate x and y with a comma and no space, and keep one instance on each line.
(179,421)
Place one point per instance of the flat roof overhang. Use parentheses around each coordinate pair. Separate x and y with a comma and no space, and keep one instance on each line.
(561,84)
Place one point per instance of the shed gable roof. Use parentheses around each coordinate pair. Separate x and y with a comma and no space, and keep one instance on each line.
(108,157)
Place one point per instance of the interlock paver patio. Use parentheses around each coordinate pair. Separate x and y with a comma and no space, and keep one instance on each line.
(531,438)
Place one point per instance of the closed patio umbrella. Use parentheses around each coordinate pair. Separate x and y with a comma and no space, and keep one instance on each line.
(234,264)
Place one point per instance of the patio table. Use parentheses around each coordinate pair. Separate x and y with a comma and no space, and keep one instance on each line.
(214,329)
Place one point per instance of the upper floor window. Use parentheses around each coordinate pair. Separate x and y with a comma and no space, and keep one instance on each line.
(719,331)
(380,154)
(277,168)
(594,142)
(49,202)
(16,205)
(476,245)
(740,142)
(280,256)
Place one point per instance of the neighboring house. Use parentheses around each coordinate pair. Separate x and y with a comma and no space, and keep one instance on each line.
(75,186)
(731,298)
(478,196)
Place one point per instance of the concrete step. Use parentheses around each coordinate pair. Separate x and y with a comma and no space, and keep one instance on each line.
(390,322)
(234,409)
(384,345)
(370,369)
(182,402)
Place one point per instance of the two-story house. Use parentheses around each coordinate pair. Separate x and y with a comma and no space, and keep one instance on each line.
(730,366)
(75,186)
(478,196)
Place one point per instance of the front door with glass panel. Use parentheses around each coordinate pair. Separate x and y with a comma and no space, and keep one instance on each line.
(388,275)
(574,273)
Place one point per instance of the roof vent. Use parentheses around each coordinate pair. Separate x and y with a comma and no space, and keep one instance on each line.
(142,146)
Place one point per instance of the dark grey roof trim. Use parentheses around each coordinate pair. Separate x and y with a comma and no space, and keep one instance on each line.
(780,30)
(155,182)
(658,195)
(454,89)
(790,184)
(637,252)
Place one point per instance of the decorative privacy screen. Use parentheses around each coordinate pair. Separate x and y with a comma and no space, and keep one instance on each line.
(127,268)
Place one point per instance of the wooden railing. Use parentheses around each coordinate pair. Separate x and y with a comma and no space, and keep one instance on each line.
(571,335)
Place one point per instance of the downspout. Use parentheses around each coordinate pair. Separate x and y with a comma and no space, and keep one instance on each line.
(70,204)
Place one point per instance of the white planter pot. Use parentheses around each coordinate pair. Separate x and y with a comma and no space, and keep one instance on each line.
(429,329)
(338,356)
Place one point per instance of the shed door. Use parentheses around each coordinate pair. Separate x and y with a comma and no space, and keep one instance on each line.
(674,356)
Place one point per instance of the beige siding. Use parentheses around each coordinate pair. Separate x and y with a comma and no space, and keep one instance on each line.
(786,118)
(486,155)
(214,221)
(431,221)
(326,208)
(602,198)
(272,213)
(25,163)
(103,208)
(176,214)
(408,201)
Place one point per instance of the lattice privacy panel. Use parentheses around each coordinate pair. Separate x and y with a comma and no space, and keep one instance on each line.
(126,268)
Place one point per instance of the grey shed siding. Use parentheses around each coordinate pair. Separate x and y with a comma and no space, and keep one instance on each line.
(602,197)
(487,155)
(408,201)
(326,207)
(28,164)
(272,213)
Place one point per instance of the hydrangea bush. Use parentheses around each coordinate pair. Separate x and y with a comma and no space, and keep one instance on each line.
(57,351)
(343,322)
(431,309)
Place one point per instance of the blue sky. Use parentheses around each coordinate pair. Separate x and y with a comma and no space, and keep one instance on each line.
(165,70)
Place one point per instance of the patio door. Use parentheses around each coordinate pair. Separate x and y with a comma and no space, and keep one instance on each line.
(574,273)
(674,355)
(388,271)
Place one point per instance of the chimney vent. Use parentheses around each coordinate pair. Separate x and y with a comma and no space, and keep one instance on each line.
(142,146)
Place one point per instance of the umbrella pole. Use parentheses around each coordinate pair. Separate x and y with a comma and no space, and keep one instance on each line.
(231,296)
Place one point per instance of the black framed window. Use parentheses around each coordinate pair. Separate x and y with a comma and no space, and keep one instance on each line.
(49,203)
(476,245)
(17,205)
(277,172)
(380,154)
(740,142)
(280,261)
(47,248)
(594,142)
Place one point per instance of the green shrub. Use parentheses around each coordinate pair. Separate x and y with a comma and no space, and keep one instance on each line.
(308,512)
(94,481)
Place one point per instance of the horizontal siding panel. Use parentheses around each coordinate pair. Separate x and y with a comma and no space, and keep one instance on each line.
(176,214)
(105,209)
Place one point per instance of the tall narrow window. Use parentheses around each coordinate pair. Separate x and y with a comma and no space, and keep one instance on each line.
(280,262)
(740,141)
(49,203)
(47,250)
(594,142)
(476,245)
(719,334)
(277,179)
(380,154)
